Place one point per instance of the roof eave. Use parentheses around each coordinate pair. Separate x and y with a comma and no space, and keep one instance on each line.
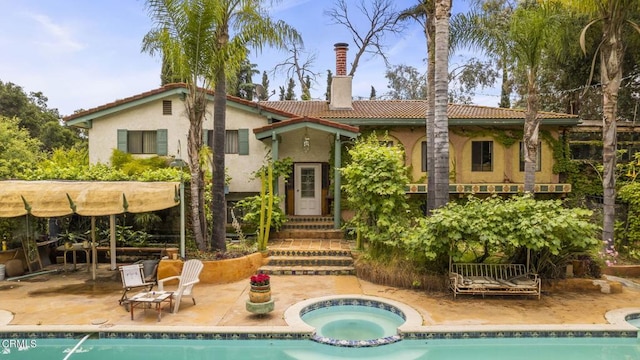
(84,120)
(452,122)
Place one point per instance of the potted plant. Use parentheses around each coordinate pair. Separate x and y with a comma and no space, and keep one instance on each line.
(260,288)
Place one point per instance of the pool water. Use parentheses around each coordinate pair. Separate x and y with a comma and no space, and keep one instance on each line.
(353,322)
(477,349)
(635,322)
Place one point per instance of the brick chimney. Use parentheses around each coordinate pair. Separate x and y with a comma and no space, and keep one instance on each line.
(341,58)
(341,83)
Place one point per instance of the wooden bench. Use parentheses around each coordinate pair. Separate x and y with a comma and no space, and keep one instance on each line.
(493,279)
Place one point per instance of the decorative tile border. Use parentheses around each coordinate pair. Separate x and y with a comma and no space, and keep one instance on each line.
(354,302)
(204,336)
(356,343)
(345,301)
(497,188)
(518,334)
(297,329)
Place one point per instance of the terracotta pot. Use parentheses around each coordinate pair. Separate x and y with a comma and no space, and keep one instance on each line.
(260,294)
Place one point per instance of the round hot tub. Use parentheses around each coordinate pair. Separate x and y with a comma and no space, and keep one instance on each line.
(352,321)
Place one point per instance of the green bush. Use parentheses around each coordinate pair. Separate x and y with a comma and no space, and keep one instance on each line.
(483,229)
(374,183)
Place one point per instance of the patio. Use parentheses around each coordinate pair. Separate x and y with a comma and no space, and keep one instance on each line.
(73,298)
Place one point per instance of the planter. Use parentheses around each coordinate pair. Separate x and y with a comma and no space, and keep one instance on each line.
(260,294)
(217,271)
(172,253)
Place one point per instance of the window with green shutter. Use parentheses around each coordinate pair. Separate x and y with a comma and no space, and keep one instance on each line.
(143,141)
(243,142)
(161,142)
(122,140)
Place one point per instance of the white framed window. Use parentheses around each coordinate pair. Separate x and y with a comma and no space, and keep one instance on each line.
(482,156)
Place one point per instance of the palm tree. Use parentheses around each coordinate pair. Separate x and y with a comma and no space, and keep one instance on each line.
(204,41)
(614,16)
(487,29)
(424,13)
(531,33)
(441,120)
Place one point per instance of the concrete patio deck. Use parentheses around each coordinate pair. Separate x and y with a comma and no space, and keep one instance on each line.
(73,298)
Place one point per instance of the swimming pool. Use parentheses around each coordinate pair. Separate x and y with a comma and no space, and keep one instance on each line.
(477,349)
(617,340)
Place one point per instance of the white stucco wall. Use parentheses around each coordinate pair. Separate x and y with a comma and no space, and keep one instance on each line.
(103,136)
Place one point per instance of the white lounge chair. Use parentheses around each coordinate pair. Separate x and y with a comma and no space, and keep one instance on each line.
(186,280)
(133,277)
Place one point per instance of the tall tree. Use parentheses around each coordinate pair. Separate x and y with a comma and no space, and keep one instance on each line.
(380,17)
(19,151)
(406,82)
(204,41)
(441,119)
(33,115)
(327,94)
(615,18)
(486,27)
(424,13)
(242,84)
(532,30)
(298,65)
(290,94)
(264,96)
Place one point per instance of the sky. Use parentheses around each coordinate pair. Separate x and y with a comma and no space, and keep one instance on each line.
(85,53)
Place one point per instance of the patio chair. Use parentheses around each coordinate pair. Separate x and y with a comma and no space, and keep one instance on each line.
(150,268)
(186,280)
(133,278)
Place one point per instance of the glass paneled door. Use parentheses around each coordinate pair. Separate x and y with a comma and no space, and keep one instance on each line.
(308,189)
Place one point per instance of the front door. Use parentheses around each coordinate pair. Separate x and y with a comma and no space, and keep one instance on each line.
(308,189)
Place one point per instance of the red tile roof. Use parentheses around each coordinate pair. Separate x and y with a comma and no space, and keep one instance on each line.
(400,109)
(305,119)
(362,109)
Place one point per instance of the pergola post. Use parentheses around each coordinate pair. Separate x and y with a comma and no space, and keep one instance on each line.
(337,163)
(274,157)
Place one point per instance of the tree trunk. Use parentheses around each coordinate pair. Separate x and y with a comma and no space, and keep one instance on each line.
(531,130)
(196,106)
(430,28)
(611,55)
(219,204)
(441,120)
(505,89)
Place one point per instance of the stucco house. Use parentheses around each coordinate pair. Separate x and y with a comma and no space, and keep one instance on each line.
(485,154)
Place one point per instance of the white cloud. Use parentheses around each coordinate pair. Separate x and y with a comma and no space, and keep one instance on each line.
(288,4)
(55,36)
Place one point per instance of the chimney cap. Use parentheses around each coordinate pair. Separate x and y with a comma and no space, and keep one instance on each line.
(340,45)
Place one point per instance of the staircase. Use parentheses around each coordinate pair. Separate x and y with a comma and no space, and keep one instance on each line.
(309,246)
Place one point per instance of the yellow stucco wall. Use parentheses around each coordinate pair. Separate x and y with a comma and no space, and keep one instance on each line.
(505,159)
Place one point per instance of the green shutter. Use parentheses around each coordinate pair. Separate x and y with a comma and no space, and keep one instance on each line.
(243,141)
(205,137)
(161,141)
(122,140)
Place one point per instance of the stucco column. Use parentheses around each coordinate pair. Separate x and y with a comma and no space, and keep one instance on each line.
(337,163)
(274,157)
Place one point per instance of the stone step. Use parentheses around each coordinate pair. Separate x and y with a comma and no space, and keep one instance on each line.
(308,253)
(315,261)
(308,234)
(309,219)
(308,270)
(308,226)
